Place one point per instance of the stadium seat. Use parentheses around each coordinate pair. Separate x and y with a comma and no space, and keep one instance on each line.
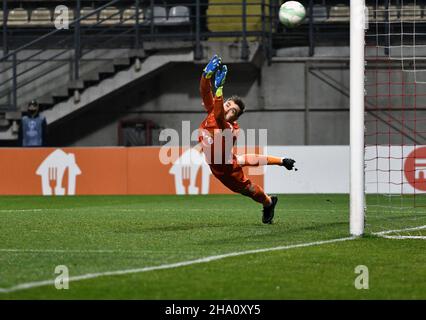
(90,20)
(390,14)
(111,16)
(159,15)
(394,13)
(129,16)
(371,14)
(411,13)
(319,13)
(41,16)
(339,13)
(178,15)
(229,18)
(381,13)
(17,17)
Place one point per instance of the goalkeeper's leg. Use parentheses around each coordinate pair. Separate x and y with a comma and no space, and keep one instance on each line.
(237,182)
(256,192)
(255,160)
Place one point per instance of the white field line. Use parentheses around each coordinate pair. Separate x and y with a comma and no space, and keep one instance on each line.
(54,250)
(19,210)
(35,284)
(145,210)
(385,234)
(78,251)
(115,210)
(399,230)
(404,237)
(69,209)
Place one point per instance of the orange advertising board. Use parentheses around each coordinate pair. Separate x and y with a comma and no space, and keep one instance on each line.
(105,171)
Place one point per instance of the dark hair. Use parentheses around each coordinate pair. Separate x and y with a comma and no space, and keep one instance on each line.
(239,102)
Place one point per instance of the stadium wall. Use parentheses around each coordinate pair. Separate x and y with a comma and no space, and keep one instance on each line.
(300,100)
(281,98)
(321,169)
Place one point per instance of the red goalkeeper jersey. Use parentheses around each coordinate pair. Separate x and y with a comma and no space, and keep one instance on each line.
(228,171)
(214,126)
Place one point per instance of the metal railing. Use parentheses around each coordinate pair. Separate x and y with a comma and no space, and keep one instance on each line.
(242,20)
(11,62)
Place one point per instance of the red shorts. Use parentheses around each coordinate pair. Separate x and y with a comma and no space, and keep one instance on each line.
(231,175)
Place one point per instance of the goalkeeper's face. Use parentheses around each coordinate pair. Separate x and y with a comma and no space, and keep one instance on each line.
(232,111)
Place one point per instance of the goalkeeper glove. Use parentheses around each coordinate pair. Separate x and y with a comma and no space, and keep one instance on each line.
(219,80)
(212,66)
(288,164)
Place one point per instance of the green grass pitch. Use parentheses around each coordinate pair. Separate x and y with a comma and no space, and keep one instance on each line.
(110,233)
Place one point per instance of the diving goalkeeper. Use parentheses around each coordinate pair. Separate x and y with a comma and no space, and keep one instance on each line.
(222,119)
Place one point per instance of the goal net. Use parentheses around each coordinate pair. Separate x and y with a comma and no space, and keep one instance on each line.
(395,118)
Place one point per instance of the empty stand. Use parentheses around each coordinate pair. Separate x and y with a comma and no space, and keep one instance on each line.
(91,19)
(320,13)
(41,16)
(339,13)
(129,16)
(158,14)
(18,17)
(178,15)
(110,15)
(412,13)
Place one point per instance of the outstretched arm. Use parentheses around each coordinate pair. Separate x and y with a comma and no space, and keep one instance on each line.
(219,81)
(206,93)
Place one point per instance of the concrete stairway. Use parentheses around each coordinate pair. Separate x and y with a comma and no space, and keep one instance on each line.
(96,84)
(63,93)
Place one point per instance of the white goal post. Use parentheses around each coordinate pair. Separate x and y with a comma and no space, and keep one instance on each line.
(357,40)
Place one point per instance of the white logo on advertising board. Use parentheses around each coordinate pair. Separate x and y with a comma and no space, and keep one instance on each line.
(52,171)
(185,170)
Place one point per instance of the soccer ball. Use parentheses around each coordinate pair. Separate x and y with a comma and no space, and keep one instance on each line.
(292,13)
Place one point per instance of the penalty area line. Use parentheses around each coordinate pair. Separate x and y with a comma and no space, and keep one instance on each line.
(35,284)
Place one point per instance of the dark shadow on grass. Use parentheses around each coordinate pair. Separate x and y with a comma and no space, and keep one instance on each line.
(182,227)
(280,233)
